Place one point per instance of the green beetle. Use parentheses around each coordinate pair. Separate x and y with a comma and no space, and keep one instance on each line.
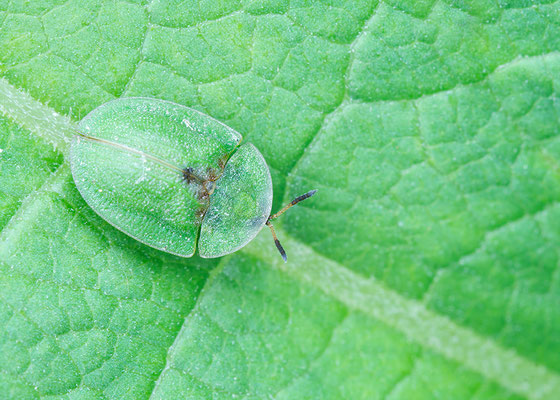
(173,178)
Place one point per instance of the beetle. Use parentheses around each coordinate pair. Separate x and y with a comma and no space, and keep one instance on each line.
(173,178)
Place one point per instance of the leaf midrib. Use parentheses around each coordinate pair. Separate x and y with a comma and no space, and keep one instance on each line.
(410,317)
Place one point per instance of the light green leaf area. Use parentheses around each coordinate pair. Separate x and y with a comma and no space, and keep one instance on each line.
(426,267)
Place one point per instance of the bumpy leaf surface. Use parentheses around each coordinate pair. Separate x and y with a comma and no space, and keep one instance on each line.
(427,266)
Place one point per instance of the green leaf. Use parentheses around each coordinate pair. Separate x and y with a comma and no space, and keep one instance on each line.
(427,265)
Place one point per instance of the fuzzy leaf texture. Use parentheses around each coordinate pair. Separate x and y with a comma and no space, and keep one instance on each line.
(426,267)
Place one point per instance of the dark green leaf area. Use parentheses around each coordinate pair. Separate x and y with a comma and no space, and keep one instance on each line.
(24,166)
(88,310)
(254,323)
(411,48)
(451,199)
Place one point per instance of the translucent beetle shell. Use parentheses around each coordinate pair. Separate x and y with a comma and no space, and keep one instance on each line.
(172,177)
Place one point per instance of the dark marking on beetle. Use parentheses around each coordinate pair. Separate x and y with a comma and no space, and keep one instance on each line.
(188,175)
(205,187)
(223,160)
(203,194)
(211,175)
(209,186)
(201,212)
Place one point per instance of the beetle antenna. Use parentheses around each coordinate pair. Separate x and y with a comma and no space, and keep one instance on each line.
(279,213)
(293,203)
(277,242)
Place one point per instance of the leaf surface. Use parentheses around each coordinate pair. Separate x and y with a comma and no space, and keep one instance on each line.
(427,266)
